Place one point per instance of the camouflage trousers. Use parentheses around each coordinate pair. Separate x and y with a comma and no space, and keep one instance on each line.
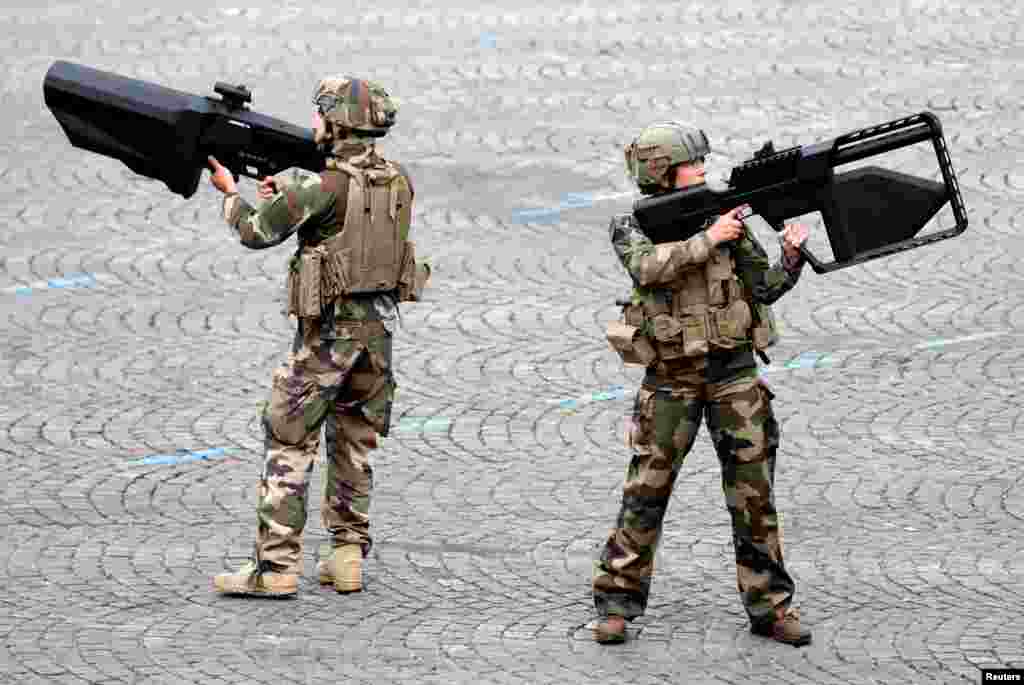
(746,436)
(345,381)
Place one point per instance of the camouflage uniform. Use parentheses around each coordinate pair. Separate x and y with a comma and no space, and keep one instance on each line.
(339,371)
(721,387)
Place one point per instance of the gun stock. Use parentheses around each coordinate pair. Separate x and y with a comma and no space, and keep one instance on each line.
(868,212)
(166,134)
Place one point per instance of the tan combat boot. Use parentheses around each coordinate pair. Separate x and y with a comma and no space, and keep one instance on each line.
(786,629)
(323,571)
(249,580)
(610,630)
(344,568)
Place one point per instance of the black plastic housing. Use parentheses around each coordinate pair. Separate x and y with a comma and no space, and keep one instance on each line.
(869,212)
(167,134)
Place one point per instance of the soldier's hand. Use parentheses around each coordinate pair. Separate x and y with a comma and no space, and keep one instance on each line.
(268,188)
(727,227)
(793,236)
(220,177)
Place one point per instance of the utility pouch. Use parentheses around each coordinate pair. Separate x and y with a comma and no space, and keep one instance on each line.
(764,333)
(293,286)
(407,285)
(732,323)
(669,333)
(695,335)
(309,284)
(632,346)
(304,295)
(334,268)
(633,314)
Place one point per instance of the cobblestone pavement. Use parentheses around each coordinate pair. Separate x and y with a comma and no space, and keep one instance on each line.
(138,339)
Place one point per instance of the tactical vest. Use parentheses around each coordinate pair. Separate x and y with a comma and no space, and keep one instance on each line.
(706,309)
(368,251)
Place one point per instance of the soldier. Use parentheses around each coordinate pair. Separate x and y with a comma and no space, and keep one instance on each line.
(699,312)
(353,265)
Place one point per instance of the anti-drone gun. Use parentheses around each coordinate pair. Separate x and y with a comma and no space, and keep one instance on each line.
(868,212)
(167,134)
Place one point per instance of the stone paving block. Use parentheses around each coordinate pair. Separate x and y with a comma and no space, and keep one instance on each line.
(134,327)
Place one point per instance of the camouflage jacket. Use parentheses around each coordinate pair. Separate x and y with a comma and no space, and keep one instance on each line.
(655,267)
(303,206)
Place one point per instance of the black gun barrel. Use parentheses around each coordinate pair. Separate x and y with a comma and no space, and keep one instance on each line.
(167,134)
(879,144)
(868,212)
(154,130)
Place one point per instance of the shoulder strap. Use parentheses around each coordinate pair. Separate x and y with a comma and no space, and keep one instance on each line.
(356,202)
(345,167)
(336,182)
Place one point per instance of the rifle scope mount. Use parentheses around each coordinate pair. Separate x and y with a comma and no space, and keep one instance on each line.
(235,97)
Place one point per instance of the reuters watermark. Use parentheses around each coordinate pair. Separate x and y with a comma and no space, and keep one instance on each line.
(1002,675)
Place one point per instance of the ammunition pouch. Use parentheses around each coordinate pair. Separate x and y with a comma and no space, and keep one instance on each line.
(408,288)
(633,314)
(731,325)
(304,300)
(764,332)
(696,330)
(317,276)
(705,312)
(631,345)
(671,336)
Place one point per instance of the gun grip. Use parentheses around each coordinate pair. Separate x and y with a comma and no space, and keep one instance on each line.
(816,264)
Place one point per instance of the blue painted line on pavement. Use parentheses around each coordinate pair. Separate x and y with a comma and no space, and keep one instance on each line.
(70,281)
(577,201)
(804,360)
(488,40)
(931,344)
(539,215)
(820,360)
(808,360)
(426,424)
(180,457)
(570,404)
(82,280)
(616,392)
(550,215)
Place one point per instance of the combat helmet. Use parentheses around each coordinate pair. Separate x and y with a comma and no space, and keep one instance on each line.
(658,148)
(354,105)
